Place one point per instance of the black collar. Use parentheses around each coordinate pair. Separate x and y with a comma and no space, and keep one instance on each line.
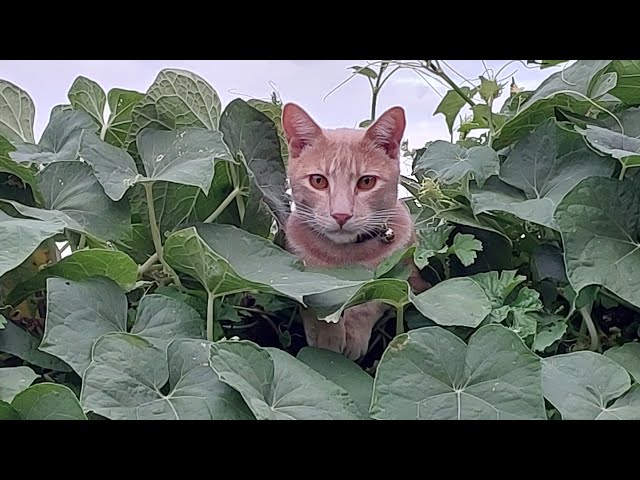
(384,234)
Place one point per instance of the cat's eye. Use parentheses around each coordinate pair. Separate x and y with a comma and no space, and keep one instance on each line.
(319,182)
(367,182)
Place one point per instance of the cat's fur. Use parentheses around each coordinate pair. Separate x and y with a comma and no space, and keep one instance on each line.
(314,233)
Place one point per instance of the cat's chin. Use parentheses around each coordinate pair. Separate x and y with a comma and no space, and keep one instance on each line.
(341,237)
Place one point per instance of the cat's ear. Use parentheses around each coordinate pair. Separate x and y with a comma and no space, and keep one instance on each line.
(387,131)
(299,128)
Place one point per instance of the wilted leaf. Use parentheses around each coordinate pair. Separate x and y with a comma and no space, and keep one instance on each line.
(430,374)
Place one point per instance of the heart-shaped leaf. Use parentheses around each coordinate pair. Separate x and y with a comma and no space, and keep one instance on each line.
(14,380)
(48,401)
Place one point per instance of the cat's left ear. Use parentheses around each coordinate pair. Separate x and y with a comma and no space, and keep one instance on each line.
(387,131)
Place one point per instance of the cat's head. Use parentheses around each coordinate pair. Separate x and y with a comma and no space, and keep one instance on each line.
(344,182)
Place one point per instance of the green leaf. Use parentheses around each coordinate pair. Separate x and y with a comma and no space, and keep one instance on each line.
(251,132)
(17,341)
(571,89)
(60,140)
(121,104)
(14,380)
(498,286)
(48,401)
(465,247)
(489,89)
(364,71)
(451,163)
(550,63)
(550,333)
(393,261)
(430,374)
(20,237)
(7,165)
(80,312)
(600,231)
(451,104)
(431,241)
(581,385)
(528,301)
(628,356)
(560,161)
(274,112)
(81,264)
(627,87)
(127,374)
(226,259)
(17,113)
(456,301)
(87,96)
(341,371)
(624,148)
(177,99)
(3,321)
(7,412)
(276,386)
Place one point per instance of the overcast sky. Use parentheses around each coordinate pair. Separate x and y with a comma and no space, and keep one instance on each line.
(305,82)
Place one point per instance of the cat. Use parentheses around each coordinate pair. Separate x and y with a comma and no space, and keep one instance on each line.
(344,185)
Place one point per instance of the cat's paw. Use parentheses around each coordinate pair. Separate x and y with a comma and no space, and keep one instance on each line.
(320,334)
(358,323)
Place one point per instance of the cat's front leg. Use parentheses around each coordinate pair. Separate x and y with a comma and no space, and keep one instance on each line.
(321,334)
(359,321)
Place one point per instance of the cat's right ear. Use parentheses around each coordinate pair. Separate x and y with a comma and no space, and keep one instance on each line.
(299,128)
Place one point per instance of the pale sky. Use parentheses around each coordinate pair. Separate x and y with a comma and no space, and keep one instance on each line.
(305,82)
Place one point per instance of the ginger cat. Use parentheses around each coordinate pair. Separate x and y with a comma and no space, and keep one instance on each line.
(344,184)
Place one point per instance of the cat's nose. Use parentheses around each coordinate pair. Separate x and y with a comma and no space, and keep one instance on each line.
(341,218)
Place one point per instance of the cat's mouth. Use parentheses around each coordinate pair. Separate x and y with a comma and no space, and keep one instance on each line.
(342,236)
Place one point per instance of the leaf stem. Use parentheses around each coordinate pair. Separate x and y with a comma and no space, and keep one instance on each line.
(82,242)
(399,319)
(155,232)
(623,170)
(435,68)
(225,203)
(210,304)
(591,326)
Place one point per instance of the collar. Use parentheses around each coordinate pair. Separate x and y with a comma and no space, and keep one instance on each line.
(385,235)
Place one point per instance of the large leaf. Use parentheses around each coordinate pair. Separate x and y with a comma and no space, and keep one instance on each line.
(7,412)
(276,386)
(60,140)
(622,146)
(20,237)
(600,231)
(8,165)
(17,113)
(451,104)
(341,371)
(48,401)
(582,386)
(274,112)
(538,173)
(87,96)
(176,99)
(627,355)
(14,380)
(113,264)
(80,312)
(627,87)
(251,132)
(451,163)
(430,374)
(17,341)
(121,103)
(575,88)
(127,373)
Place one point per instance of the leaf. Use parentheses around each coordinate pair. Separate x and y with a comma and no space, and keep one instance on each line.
(341,371)
(274,112)
(456,301)
(547,263)
(600,231)
(498,286)
(430,374)
(390,264)
(489,89)
(81,264)
(127,374)
(80,312)
(451,163)
(465,247)
(7,165)
(451,104)
(87,96)
(276,386)
(48,401)
(226,259)
(251,132)
(431,241)
(571,89)
(17,113)
(364,71)
(3,321)
(121,104)
(177,99)
(627,87)
(624,148)
(7,412)
(549,334)
(60,140)
(628,356)
(528,301)
(14,380)
(20,237)
(581,385)
(17,341)
(560,161)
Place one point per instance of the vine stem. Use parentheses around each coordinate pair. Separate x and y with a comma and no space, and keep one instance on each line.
(434,68)
(210,303)
(144,268)
(591,326)
(399,319)
(155,231)
(623,170)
